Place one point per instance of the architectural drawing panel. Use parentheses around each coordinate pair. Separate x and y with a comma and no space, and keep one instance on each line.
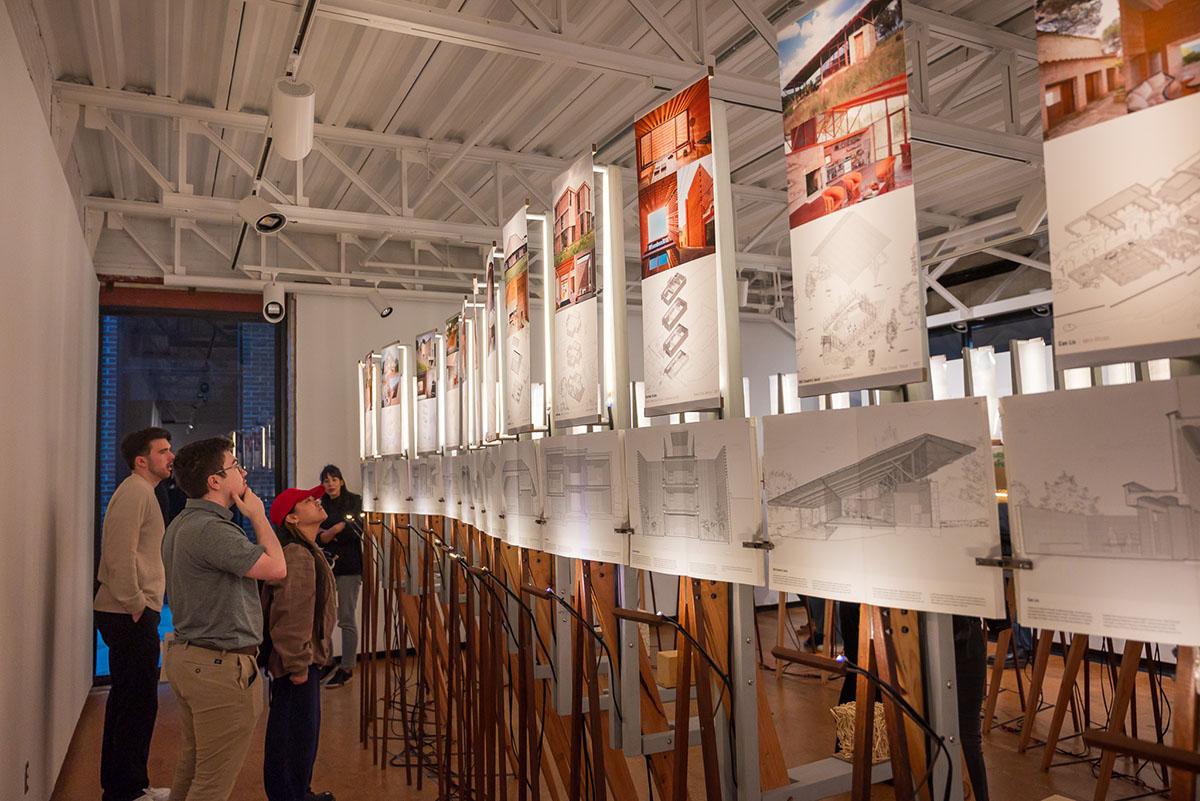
(679,332)
(585,498)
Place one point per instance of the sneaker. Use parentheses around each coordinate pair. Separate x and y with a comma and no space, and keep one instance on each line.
(325,796)
(325,671)
(157,794)
(339,678)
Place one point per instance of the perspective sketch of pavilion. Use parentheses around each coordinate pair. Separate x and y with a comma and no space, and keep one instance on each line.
(683,495)
(892,487)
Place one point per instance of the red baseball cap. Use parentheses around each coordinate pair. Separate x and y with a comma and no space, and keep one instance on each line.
(286,501)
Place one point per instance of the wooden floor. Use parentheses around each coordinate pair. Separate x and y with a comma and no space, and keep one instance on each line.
(801,713)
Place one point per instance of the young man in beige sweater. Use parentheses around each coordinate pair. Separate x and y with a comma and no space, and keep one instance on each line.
(128,603)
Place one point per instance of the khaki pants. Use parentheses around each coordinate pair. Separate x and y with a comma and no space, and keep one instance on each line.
(220,699)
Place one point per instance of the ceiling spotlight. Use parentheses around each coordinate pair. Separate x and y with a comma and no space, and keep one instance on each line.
(1041,310)
(379,302)
(292,106)
(266,218)
(274,307)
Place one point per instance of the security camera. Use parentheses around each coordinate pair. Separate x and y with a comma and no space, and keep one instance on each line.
(1041,311)
(274,309)
(266,218)
(379,302)
(959,326)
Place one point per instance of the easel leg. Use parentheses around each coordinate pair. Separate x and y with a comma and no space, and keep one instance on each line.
(1126,682)
(1187,707)
(864,714)
(997,677)
(1066,694)
(1034,699)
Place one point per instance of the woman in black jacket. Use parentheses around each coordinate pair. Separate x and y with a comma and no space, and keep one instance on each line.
(341,541)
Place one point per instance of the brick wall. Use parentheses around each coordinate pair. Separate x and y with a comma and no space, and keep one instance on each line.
(107,436)
(256,342)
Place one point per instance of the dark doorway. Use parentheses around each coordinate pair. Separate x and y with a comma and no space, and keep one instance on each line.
(197,374)
(1060,101)
(1091,85)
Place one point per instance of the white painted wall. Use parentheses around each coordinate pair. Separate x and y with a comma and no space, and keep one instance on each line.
(48,401)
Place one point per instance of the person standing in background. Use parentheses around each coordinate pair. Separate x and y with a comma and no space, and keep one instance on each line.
(300,612)
(127,606)
(342,542)
(211,568)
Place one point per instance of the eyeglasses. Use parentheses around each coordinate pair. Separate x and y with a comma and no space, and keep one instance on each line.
(235,464)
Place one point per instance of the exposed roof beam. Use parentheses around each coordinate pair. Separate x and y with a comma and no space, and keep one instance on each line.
(531,12)
(1040,298)
(968,33)
(958,135)
(760,22)
(306,218)
(659,24)
(415,19)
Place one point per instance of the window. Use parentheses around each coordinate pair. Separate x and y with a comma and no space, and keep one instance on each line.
(1053,96)
(656,224)
(1190,51)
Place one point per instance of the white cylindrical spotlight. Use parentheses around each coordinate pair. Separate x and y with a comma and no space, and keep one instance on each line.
(274,306)
(292,106)
(265,218)
(379,302)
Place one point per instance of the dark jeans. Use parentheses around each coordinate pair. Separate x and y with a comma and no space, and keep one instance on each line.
(970,662)
(293,728)
(132,703)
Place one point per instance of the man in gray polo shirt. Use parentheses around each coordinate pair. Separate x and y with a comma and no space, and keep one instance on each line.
(211,570)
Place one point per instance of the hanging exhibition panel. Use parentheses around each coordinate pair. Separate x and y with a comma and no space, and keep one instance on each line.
(368,484)
(887,505)
(427,369)
(451,494)
(491,492)
(860,319)
(521,494)
(694,498)
(1104,498)
(452,408)
(426,482)
(518,349)
(491,359)
(391,486)
(366,400)
(576,304)
(677,213)
(1119,113)
(586,508)
(392,400)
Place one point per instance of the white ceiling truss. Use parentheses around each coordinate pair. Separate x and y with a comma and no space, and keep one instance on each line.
(437,121)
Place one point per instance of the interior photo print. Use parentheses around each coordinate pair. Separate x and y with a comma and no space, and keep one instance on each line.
(392,383)
(427,365)
(1102,59)
(675,181)
(845,106)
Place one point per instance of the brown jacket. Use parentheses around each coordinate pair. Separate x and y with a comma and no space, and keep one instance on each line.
(301,611)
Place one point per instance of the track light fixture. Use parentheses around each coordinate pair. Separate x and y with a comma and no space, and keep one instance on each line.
(263,216)
(274,307)
(379,302)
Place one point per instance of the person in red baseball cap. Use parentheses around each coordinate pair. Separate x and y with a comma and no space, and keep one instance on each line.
(300,612)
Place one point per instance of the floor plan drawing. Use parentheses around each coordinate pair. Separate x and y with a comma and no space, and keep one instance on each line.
(1104,499)
(577,363)
(860,314)
(1125,239)
(885,504)
(694,498)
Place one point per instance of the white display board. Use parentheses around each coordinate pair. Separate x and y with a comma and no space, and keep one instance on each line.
(369,490)
(887,505)
(491,496)
(521,492)
(368,392)
(515,325)
(695,499)
(860,319)
(1104,498)
(393,392)
(392,486)
(490,384)
(426,481)
(454,372)
(586,506)
(677,222)
(428,369)
(577,356)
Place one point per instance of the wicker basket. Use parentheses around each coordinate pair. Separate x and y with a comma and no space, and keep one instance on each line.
(843,720)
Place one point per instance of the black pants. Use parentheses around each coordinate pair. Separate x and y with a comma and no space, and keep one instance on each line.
(132,702)
(970,662)
(293,728)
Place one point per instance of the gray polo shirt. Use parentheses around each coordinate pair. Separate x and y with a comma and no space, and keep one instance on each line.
(206,557)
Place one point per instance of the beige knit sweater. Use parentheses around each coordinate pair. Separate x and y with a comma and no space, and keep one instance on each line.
(131,571)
